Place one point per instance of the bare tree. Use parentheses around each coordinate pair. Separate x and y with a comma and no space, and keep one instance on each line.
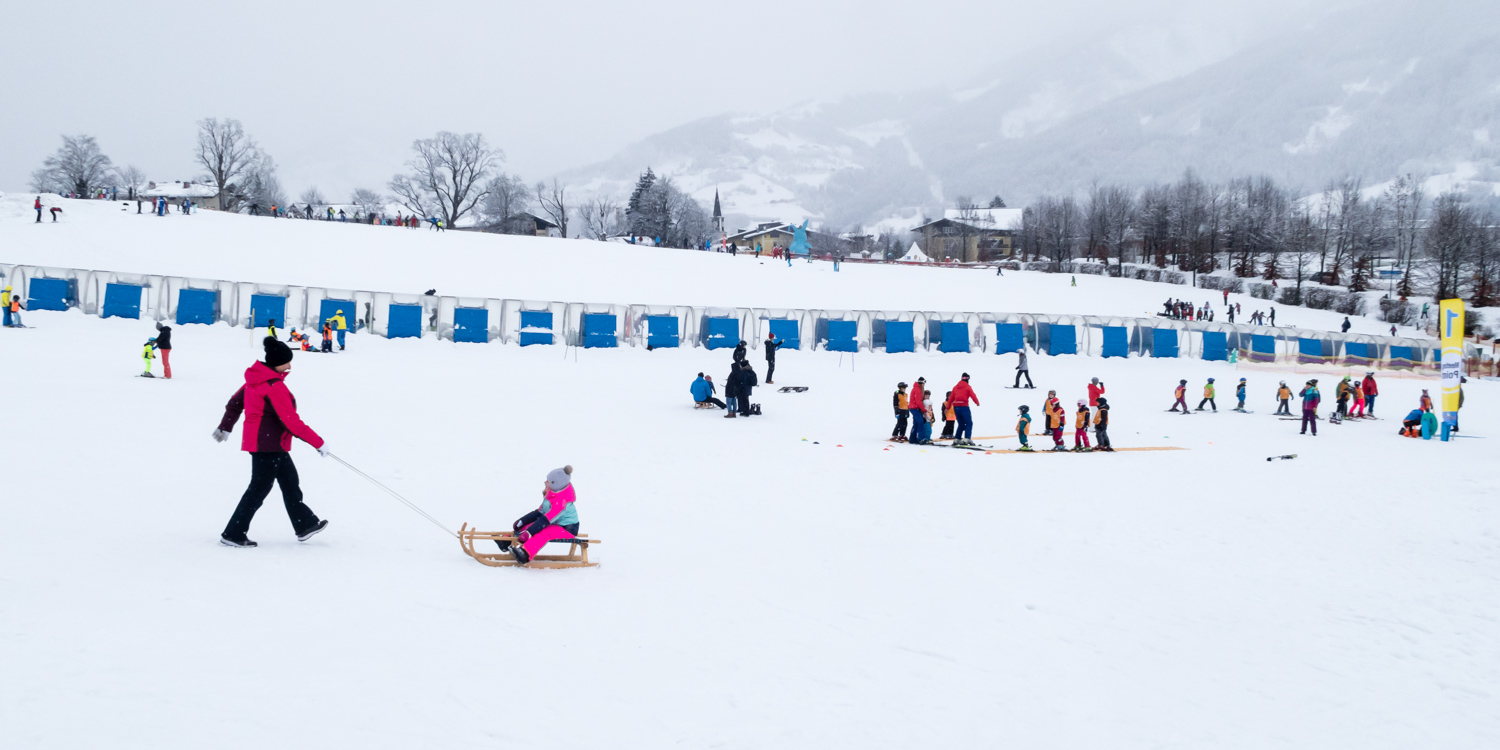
(132,177)
(600,217)
(447,175)
(77,167)
(368,201)
(313,197)
(1405,196)
(554,202)
(260,188)
(225,152)
(506,196)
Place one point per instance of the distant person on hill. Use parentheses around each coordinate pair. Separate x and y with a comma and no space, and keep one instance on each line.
(38,207)
(164,344)
(55,211)
(271,421)
(1346,324)
(1273,317)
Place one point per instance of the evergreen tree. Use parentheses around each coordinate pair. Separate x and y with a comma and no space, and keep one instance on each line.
(637,210)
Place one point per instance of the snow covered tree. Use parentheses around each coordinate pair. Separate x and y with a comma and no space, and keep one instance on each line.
(260,188)
(997,202)
(77,167)
(131,178)
(601,217)
(447,177)
(554,202)
(313,197)
(225,153)
(368,201)
(638,213)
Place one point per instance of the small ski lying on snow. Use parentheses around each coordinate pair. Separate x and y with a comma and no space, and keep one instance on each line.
(791,389)
(1287,456)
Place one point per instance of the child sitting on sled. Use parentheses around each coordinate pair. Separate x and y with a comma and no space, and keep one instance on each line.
(554,519)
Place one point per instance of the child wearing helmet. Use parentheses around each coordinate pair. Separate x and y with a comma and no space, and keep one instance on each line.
(1181,395)
(1239,392)
(1208,396)
(1284,395)
(149,354)
(1081,428)
(1101,425)
(1023,426)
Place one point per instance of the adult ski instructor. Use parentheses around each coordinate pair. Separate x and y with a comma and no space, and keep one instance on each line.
(963,393)
(270,422)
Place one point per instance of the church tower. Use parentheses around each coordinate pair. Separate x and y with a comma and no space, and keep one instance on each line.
(718,214)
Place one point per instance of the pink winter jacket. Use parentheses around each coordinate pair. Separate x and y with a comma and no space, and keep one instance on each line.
(556,504)
(270,413)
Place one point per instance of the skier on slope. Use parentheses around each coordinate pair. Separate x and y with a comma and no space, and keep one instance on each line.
(1022,369)
(555,518)
(962,394)
(1096,389)
(1101,425)
(1181,395)
(1239,393)
(1081,428)
(148,354)
(270,422)
(918,417)
(1055,418)
(336,321)
(1284,396)
(1023,426)
(1208,396)
(1371,390)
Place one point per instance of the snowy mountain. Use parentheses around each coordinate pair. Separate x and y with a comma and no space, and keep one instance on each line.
(1373,89)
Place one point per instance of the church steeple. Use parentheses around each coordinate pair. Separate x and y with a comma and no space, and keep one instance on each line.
(718,214)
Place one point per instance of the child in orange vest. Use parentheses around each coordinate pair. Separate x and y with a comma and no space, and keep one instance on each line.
(1081,429)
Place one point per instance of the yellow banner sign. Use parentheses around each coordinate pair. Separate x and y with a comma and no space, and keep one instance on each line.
(1451,330)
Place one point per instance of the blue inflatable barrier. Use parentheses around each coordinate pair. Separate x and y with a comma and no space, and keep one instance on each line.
(841,335)
(265,308)
(661,331)
(1359,353)
(471,324)
(1116,342)
(1309,351)
(899,337)
(955,337)
(121,301)
(1062,339)
(536,327)
(721,333)
(47,294)
(1401,353)
(1262,348)
(327,309)
(786,330)
(1164,342)
(1216,346)
(1009,337)
(405,322)
(599,331)
(196,306)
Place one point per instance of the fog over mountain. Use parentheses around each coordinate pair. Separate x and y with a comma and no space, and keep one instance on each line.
(1373,89)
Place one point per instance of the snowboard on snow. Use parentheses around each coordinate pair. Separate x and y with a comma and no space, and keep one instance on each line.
(791,389)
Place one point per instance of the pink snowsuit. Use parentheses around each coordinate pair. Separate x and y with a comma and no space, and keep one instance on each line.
(556,503)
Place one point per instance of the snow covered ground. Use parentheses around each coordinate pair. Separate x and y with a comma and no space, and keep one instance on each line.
(111,236)
(786,581)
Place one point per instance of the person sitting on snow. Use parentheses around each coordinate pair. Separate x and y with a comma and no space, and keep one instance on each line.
(554,519)
(703,391)
(1411,426)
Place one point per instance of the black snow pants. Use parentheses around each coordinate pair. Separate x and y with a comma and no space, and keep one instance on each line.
(900,430)
(267,469)
(1208,401)
(1027,373)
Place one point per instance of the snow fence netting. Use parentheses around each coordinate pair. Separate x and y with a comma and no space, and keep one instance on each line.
(1113,339)
(473,320)
(197,301)
(594,325)
(954,332)
(897,331)
(1062,334)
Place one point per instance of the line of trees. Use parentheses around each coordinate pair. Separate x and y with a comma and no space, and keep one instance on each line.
(1255,227)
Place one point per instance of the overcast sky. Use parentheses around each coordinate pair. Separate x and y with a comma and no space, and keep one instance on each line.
(337,91)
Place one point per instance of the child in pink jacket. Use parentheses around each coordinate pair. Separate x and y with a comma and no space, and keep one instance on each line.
(554,519)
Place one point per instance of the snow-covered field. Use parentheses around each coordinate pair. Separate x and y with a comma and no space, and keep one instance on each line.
(787,581)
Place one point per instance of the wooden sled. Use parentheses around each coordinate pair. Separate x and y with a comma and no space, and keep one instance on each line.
(703,405)
(577,557)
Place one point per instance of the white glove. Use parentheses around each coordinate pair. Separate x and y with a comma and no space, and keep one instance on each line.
(220,436)
(324,451)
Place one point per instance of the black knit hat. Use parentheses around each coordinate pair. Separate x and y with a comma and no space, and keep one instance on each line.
(277,353)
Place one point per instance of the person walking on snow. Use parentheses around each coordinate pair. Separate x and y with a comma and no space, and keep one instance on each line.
(336,321)
(164,344)
(772,344)
(1371,391)
(1226,297)
(271,420)
(1181,395)
(1022,369)
(1208,396)
(962,394)
(1284,396)
(1081,428)
(555,518)
(899,403)
(1346,324)
(1101,426)
(1310,399)
(1239,393)
(1096,389)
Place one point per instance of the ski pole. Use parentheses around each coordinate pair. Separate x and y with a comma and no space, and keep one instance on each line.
(394,494)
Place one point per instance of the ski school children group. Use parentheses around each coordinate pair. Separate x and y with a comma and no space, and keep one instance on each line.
(162,341)
(915,408)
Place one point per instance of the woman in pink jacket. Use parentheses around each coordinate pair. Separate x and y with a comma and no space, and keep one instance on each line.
(555,519)
(270,422)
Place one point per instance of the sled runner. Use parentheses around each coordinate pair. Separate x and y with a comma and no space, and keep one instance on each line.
(791,389)
(704,405)
(577,557)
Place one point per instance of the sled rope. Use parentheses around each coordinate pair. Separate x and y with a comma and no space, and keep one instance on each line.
(393,493)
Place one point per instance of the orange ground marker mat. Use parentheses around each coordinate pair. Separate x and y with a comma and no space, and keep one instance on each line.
(1117,450)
